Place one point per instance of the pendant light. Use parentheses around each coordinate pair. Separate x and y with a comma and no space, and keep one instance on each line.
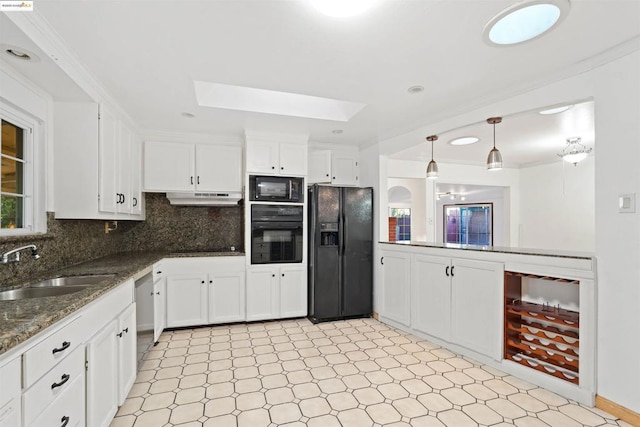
(432,167)
(575,151)
(494,160)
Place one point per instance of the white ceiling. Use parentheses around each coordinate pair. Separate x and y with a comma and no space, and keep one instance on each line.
(146,54)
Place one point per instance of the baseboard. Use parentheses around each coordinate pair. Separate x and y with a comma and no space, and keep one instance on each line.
(375,315)
(625,414)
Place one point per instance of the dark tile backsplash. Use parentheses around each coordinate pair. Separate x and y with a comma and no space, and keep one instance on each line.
(167,227)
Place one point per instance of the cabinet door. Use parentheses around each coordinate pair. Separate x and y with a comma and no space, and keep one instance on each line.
(226,297)
(431,308)
(102,376)
(136,175)
(108,143)
(10,398)
(396,286)
(218,168)
(320,166)
(293,292)
(169,166)
(159,308)
(293,159)
(476,306)
(262,294)
(186,300)
(344,169)
(123,167)
(263,157)
(127,358)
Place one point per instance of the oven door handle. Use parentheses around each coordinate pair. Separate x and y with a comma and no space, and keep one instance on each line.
(276,226)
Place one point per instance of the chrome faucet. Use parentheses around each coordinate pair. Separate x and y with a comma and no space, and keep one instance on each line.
(14,254)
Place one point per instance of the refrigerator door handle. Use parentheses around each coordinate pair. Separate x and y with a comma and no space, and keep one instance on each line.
(382,260)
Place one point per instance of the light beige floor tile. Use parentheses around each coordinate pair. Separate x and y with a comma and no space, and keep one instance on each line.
(342,401)
(248,401)
(501,387)
(130,406)
(155,418)
(410,408)
(191,381)
(458,396)
(582,415)
(435,402)
(558,419)
(393,391)
(437,382)
(506,408)
(323,373)
(428,421)
(459,378)
(368,396)
(158,401)
(162,386)
(299,377)
(420,370)
(528,403)
(482,414)
(220,406)
(356,381)
(248,385)
(123,421)
(332,385)
(254,418)
(222,421)
(219,390)
(285,413)
(383,413)
(293,365)
(187,413)
(195,368)
(279,395)
(217,377)
(453,418)
(416,386)
(246,372)
(529,422)
(478,374)
(274,381)
(440,366)
(346,369)
(306,390)
(314,407)
(190,395)
(480,391)
(354,417)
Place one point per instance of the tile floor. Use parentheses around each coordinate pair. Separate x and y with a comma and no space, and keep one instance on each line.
(349,373)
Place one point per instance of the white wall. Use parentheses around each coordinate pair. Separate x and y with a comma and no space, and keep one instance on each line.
(557,210)
(418,204)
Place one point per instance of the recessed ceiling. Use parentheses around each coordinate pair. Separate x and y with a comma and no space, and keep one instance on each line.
(147,55)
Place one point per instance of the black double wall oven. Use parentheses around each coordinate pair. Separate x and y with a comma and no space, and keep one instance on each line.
(277,228)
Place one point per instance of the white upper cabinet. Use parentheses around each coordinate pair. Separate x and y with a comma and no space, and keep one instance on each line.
(184,167)
(276,158)
(327,167)
(168,166)
(96,170)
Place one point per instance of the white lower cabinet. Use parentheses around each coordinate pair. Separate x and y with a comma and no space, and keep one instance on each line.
(276,292)
(431,311)
(186,300)
(396,268)
(102,376)
(68,409)
(159,307)
(213,290)
(10,408)
(127,358)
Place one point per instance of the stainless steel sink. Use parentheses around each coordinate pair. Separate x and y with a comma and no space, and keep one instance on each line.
(72,281)
(23,293)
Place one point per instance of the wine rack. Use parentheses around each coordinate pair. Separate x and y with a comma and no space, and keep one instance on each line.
(541,336)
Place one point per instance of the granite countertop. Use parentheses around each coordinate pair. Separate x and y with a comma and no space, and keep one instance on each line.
(500,249)
(23,319)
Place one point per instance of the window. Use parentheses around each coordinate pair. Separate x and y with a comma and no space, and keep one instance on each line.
(399,225)
(469,224)
(16,175)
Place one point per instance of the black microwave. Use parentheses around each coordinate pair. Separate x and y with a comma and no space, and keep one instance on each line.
(276,189)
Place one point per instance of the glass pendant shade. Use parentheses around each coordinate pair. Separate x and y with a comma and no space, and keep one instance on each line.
(432,167)
(494,159)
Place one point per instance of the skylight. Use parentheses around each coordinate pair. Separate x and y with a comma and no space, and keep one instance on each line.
(273,102)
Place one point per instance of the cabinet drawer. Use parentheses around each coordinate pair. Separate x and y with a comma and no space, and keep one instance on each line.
(68,407)
(10,381)
(52,385)
(50,351)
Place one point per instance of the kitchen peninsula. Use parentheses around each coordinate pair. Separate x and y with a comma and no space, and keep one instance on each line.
(528,312)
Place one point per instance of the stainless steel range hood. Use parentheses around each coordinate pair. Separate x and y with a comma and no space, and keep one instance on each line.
(204,199)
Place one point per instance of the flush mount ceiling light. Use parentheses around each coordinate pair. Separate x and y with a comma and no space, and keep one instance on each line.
(494,160)
(342,8)
(242,98)
(575,151)
(556,110)
(432,167)
(464,140)
(524,21)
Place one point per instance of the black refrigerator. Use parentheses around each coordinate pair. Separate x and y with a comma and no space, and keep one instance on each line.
(340,252)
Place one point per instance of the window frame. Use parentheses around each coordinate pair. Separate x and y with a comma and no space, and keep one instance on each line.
(32,223)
